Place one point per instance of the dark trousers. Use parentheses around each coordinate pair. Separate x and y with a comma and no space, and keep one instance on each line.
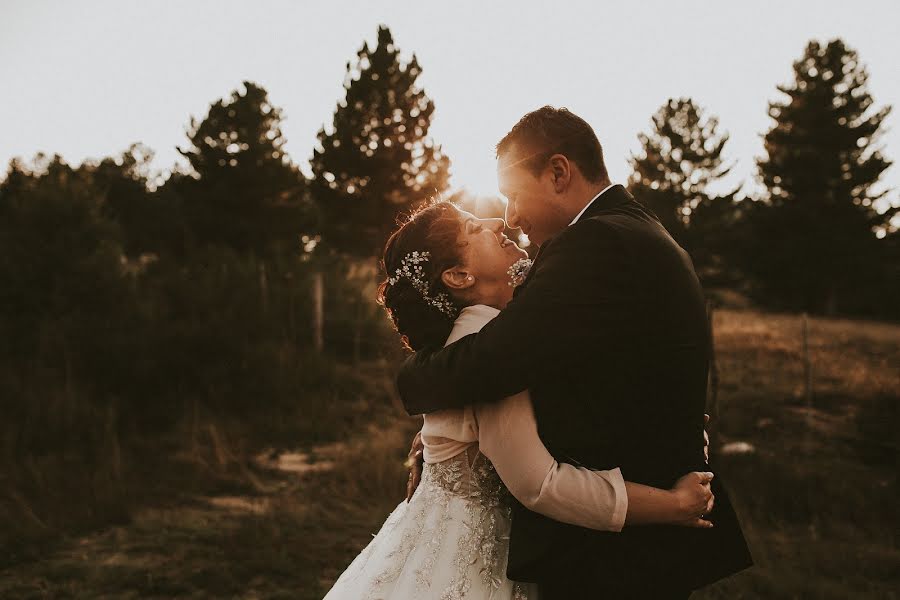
(572,578)
(577,589)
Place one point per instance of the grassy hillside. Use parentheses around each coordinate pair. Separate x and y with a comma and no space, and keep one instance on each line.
(818,493)
(815,484)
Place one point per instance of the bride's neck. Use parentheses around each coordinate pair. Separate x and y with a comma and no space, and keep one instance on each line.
(497,296)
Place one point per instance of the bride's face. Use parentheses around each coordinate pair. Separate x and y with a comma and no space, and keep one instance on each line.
(487,256)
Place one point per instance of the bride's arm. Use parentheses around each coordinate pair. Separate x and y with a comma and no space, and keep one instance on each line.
(602,500)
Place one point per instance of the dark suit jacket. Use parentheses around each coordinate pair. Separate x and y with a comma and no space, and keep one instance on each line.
(610,335)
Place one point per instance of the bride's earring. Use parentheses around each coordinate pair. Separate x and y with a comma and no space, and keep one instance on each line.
(470,278)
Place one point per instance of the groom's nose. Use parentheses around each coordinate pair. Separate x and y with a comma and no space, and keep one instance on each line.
(495,225)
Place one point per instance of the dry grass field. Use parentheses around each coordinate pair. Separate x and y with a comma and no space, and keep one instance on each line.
(814,481)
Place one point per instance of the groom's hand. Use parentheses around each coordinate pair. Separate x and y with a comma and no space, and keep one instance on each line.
(695,499)
(414,462)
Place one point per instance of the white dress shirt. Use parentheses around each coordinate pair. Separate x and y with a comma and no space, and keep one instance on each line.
(578,216)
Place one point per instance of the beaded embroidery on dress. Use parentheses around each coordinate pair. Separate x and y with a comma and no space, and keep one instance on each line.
(450,542)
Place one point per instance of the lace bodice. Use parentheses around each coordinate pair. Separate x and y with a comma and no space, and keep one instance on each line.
(469,475)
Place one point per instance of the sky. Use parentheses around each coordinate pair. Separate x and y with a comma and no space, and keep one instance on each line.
(86,79)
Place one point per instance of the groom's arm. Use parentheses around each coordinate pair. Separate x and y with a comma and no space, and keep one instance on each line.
(575,295)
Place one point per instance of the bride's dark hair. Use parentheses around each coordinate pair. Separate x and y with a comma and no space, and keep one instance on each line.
(434,228)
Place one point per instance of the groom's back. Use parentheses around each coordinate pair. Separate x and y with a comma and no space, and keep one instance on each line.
(631,395)
(636,388)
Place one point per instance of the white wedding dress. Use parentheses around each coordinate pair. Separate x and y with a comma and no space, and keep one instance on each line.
(451,540)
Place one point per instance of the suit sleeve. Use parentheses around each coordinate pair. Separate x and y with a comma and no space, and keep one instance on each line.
(573,297)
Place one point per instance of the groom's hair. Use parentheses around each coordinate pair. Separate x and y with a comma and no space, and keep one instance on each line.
(548,131)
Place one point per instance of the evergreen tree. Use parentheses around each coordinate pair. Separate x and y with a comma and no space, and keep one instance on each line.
(59,261)
(151,222)
(376,159)
(679,158)
(814,235)
(243,192)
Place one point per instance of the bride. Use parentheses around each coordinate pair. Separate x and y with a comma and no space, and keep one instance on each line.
(449,273)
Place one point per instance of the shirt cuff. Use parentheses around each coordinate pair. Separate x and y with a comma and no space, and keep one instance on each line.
(621,509)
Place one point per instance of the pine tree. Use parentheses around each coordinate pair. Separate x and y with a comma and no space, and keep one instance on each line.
(815,232)
(679,158)
(59,258)
(376,159)
(151,222)
(243,192)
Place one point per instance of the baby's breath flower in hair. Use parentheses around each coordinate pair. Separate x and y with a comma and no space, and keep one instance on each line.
(411,268)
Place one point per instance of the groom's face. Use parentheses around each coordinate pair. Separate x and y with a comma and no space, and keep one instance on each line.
(531,198)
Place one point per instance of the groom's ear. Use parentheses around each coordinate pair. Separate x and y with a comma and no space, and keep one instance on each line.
(560,172)
(457,278)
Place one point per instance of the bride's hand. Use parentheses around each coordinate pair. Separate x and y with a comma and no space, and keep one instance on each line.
(705,438)
(414,465)
(694,499)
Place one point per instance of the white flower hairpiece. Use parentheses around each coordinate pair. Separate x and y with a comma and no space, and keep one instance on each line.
(411,268)
(518,271)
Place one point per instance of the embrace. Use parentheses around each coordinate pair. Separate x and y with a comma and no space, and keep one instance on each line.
(563,399)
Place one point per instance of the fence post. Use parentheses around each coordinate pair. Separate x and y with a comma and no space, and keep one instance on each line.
(713,406)
(807,364)
(318,309)
(263,288)
(807,394)
(292,325)
(357,332)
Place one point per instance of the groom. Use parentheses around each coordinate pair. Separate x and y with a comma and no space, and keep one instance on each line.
(609,333)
